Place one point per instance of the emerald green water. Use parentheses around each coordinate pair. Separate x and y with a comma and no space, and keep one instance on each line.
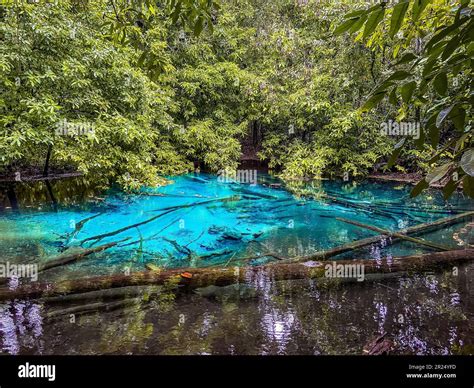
(223,223)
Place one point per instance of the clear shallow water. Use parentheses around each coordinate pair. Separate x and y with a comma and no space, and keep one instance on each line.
(424,314)
(228,221)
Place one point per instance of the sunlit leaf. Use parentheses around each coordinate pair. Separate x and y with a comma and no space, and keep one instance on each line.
(438,173)
(373,21)
(467,162)
(418,8)
(407,91)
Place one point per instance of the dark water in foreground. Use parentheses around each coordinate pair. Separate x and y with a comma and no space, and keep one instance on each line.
(421,314)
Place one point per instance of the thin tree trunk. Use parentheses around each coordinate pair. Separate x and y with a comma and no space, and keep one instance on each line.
(11,194)
(74,254)
(46,163)
(54,202)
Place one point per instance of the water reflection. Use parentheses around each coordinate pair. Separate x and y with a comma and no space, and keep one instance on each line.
(421,314)
(21,327)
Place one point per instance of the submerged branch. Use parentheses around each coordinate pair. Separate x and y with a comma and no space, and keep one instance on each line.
(75,254)
(109,234)
(414,230)
(390,233)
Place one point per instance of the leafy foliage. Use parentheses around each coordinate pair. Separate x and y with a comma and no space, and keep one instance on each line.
(167,85)
(432,50)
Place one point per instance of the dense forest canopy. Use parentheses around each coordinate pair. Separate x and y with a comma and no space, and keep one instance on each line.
(131,91)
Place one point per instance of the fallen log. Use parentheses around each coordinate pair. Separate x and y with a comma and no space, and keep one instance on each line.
(196,239)
(81,223)
(147,194)
(152,237)
(79,227)
(360,206)
(390,233)
(215,254)
(106,294)
(192,278)
(74,254)
(166,211)
(34,178)
(125,228)
(414,230)
(224,199)
(149,292)
(253,193)
(414,207)
(418,208)
(91,308)
(385,208)
(197,179)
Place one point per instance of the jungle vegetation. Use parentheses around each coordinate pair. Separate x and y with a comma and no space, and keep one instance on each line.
(131,91)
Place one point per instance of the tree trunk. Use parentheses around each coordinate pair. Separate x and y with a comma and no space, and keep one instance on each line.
(54,201)
(11,194)
(46,163)
(192,278)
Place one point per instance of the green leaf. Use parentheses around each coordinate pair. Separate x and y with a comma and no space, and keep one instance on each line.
(420,142)
(429,67)
(458,117)
(407,91)
(408,57)
(392,98)
(152,9)
(434,135)
(345,26)
(176,12)
(396,152)
(467,162)
(398,15)
(420,186)
(352,15)
(438,154)
(451,47)
(372,101)
(468,185)
(442,115)
(449,188)
(199,26)
(357,25)
(440,83)
(383,87)
(418,8)
(373,21)
(435,51)
(443,33)
(437,173)
(398,75)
